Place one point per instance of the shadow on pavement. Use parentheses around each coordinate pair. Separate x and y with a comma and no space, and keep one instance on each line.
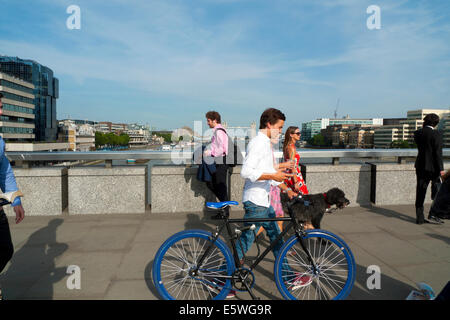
(390,288)
(149,280)
(194,221)
(33,264)
(439,237)
(389,213)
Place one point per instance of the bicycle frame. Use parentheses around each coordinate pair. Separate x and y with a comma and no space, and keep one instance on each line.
(299,231)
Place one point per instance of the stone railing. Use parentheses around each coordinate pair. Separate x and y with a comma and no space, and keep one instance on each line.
(117,187)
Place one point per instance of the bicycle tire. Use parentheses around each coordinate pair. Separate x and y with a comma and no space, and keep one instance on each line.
(346,247)
(336,269)
(179,254)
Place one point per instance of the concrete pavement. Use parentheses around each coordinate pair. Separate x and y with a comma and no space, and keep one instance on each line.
(115,253)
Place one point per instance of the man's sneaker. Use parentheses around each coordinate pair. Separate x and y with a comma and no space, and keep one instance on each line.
(231,294)
(301,281)
(435,219)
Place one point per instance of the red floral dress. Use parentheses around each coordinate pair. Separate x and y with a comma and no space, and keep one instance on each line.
(300,181)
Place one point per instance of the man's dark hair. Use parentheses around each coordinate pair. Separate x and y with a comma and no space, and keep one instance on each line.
(213,115)
(431,119)
(271,116)
(1,95)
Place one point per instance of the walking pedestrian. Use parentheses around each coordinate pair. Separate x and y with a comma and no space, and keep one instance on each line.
(218,149)
(259,173)
(429,165)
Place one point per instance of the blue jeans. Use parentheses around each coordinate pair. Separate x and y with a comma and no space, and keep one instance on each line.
(252,211)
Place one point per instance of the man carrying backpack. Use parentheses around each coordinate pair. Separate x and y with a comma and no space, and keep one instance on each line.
(218,149)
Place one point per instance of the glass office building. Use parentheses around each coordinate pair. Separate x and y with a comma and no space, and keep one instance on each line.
(17,119)
(46,91)
(311,128)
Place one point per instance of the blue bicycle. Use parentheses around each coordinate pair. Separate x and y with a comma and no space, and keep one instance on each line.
(198,265)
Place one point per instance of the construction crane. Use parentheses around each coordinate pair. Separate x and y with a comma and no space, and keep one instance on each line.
(336,109)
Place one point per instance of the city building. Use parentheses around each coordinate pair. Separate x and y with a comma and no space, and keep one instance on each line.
(139,135)
(339,138)
(107,127)
(392,121)
(80,122)
(446,131)
(156,139)
(421,113)
(45,91)
(310,129)
(349,136)
(67,133)
(385,135)
(333,136)
(17,120)
(361,137)
(81,137)
(85,137)
(404,130)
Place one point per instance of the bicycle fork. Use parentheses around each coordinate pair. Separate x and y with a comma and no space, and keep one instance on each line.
(301,235)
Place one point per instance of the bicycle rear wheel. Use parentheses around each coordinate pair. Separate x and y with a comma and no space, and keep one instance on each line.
(332,280)
(179,255)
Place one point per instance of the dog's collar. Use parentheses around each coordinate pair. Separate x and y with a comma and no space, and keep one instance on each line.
(325,196)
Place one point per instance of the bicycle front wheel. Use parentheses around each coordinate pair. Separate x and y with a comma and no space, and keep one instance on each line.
(333,277)
(178,257)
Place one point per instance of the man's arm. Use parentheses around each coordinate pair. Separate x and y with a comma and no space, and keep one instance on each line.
(8,182)
(289,191)
(278,176)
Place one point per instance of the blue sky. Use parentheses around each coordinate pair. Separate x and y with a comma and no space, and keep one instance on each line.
(167,63)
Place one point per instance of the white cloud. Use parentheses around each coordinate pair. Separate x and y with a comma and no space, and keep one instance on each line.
(160,47)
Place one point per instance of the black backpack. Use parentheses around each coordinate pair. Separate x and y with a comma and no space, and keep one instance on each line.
(234,156)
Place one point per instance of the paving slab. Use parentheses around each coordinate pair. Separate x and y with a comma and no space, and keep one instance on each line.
(115,253)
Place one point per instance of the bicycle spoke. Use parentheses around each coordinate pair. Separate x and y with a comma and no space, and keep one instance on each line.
(327,281)
(181,257)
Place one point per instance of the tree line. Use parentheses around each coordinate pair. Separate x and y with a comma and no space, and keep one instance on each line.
(111,140)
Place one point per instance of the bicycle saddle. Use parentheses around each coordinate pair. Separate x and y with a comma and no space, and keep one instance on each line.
(221,205)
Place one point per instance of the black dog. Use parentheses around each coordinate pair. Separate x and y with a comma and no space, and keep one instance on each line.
(311,207)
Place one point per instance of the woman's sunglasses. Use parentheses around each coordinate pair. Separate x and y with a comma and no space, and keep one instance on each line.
(297,133)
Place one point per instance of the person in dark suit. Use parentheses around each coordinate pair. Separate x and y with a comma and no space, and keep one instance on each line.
(429,165)
(441,204)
